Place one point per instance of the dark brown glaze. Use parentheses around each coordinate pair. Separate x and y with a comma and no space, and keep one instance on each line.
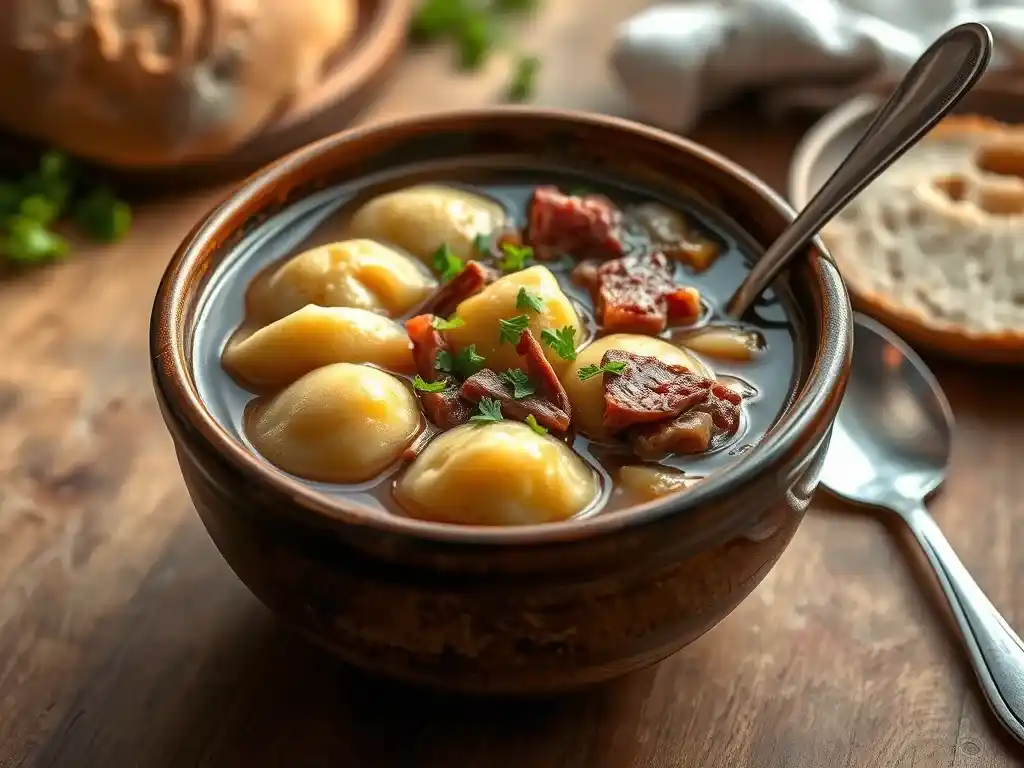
(534,608)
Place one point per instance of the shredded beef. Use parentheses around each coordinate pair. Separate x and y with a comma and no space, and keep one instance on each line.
(689,432)
(638,294)
(648,390)
(446,409)
(470,281)
(541,373)
(487,383)
(582,227)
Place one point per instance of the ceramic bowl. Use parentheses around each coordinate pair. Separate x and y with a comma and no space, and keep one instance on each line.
(522,610)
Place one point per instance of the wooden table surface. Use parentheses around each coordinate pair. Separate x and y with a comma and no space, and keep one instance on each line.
(126,641)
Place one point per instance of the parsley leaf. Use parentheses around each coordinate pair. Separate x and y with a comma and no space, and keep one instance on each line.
(482,244)
(512,329)
(531,422)
(446,262)
(527,300)
(524,80)
(518,382)
(516,256)
(440,324)
(428,386)
(489,411)
(463,365)
(590,371)
(563,341)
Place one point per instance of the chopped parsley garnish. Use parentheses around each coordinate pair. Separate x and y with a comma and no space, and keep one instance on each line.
(516,256)
(102,216)
(531,422)
(488,411)
(563,341)
(477,37)
(447,264)
(524,80)
(518,382)
(512,329)
(440,324)
(463,365)
(482,244)
(428,386)
(590,371)
(527,300)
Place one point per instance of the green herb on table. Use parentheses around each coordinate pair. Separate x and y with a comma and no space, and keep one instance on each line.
(102,216)
(489,411)
(563,341)
(531,421)
(518,382)
(447,264)
(527,300)
(482,244)
(29,242)
(516,256)
(523,82)
(590,371)
(512,329)
(477,37)
(421,385)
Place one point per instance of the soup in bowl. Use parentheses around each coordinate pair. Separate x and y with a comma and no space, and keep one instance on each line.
(456,396)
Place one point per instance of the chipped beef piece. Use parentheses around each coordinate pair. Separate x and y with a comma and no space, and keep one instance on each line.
(689,432)
(445,409)
(487,383)
(541,373)
(648,390)
(470,281)
(637,294)
(583,227)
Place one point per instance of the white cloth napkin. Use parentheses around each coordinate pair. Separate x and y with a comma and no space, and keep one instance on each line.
(677,60)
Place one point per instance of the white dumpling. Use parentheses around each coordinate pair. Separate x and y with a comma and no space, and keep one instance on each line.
(421,219)
(354,273)
(587,397)
(502,473)
(342,423)
(315,336)
(480,315)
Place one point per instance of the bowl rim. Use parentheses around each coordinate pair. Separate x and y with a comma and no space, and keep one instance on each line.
(172,379)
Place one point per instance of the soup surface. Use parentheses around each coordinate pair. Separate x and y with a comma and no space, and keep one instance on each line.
(523,349)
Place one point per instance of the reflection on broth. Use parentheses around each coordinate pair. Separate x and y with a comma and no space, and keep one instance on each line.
(501,354)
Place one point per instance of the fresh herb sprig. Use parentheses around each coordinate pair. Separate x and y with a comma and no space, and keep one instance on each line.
(489,411)
(511,329)
(590,371)
(527,300)
(518,382)
(563,341)
(31,205)
(464,364)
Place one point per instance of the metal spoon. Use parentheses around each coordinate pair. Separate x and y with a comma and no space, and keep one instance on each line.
(935,83)
(890,445)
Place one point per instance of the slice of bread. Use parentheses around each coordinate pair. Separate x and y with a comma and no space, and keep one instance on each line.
(935,247)
(149,84)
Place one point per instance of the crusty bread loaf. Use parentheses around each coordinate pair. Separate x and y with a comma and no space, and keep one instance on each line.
(936,244)
(150,83)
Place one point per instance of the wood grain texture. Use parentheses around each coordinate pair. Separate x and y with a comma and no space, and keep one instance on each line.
(125,640)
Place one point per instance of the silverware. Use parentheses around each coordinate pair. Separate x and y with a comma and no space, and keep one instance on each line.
(890,445)
(935,83)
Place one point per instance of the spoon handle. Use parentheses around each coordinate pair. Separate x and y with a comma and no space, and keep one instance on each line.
(995,650)
(935,83)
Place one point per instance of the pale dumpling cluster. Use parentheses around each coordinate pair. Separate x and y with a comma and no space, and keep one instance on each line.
(422,218)
(481,315)
(497,474)
(342,423)
(362,274)
(587,397)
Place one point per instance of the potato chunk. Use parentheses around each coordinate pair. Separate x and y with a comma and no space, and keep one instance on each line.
(496,474)
(422,218)
(353,273)
(481,315)
(316,336)
(342,423)
(725,343)
(587,397)
(646,482)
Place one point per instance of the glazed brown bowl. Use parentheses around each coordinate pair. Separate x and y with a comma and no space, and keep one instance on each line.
(528,609)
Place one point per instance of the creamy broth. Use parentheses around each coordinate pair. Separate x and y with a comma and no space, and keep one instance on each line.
(767,379)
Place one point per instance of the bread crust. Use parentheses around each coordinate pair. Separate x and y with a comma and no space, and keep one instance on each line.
(155,83)
(921,330)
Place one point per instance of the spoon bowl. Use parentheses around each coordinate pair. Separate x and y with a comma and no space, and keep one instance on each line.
(894,431)
(890,446)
